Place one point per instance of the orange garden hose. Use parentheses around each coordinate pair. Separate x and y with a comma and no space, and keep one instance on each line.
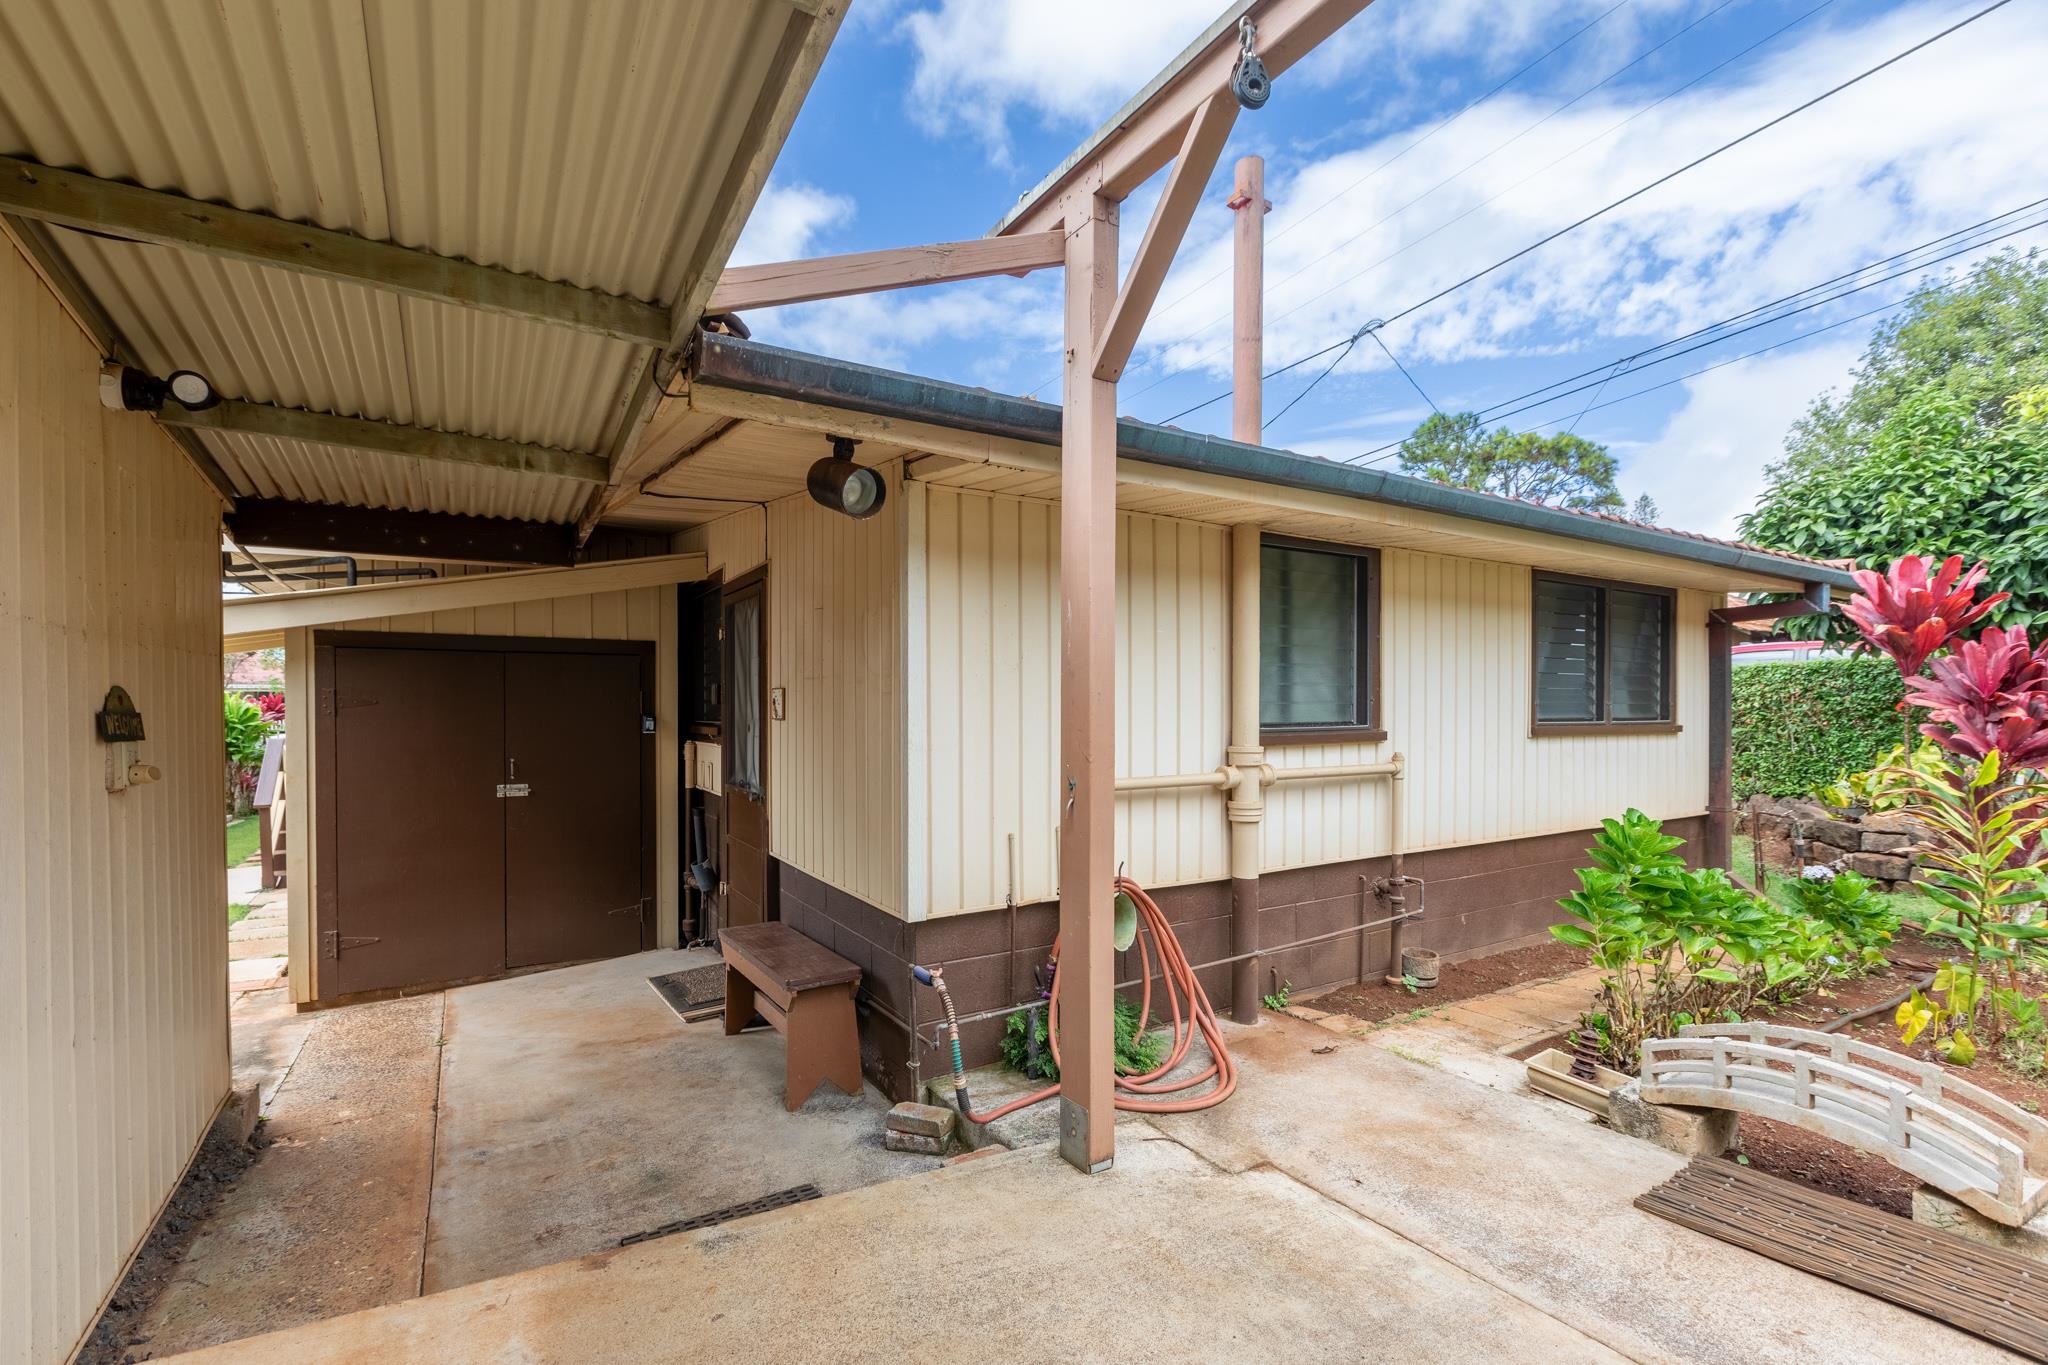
(1187,1005)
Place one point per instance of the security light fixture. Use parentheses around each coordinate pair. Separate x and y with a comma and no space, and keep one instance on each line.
(840,484)
(127,389)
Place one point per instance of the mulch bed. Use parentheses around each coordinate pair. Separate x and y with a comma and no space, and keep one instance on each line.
(1375,1000)
(117,1338)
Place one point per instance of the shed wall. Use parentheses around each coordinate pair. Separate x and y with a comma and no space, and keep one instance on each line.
(628,614)
(1455,660)
(113,926)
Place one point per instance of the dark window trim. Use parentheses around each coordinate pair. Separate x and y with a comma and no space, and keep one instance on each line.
(1607,725)
(1371,729)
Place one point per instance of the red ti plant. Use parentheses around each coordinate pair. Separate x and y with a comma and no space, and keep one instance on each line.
(271,704)
(1907,614)
(1987,702)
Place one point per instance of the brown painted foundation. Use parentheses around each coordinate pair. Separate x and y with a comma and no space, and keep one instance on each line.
(1478,899)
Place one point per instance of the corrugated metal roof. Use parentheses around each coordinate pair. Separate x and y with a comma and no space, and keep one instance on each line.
(579,142)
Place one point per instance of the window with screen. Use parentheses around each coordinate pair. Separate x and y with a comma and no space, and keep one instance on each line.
(1603,653)
(1317,645)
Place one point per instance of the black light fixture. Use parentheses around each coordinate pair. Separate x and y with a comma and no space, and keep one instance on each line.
(127,389)
(845,487)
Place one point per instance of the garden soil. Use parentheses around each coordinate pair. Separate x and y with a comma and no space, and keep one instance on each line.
(1373,1001)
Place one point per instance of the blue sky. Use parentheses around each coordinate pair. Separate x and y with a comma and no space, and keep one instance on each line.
(931,116)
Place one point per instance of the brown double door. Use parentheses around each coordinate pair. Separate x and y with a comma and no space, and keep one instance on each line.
(482,809)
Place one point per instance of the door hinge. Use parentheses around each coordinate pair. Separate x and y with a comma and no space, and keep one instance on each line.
(506,789)
(331,943)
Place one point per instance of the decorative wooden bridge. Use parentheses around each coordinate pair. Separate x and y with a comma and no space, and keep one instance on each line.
(1958,1137)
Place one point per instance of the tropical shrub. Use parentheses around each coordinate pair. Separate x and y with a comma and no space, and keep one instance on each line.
(244,730)
(1799,726)
(1678,945)
(1861,921)
(1985,804)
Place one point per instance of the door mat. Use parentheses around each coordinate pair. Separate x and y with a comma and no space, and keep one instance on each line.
(781,1199)
(694,994)
(1983,1290)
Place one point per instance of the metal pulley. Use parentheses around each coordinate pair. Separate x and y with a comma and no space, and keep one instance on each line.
(1249,82)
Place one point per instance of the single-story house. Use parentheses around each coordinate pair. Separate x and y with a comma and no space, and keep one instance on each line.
(429,292)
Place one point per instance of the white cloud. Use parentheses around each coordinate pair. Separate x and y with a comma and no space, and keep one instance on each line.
(1705,468)
(1064,61)
(787,220)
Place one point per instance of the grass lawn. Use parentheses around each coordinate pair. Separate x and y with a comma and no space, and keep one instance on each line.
(241,839)
(236,912)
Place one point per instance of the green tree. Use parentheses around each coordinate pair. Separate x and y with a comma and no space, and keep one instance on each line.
(1980,340)
(1934,478)
(1561,469)
(1643,509)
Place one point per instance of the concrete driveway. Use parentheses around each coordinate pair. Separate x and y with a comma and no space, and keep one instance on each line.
(1347,1204)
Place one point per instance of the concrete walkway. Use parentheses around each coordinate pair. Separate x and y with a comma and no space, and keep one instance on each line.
(1347,1204)
(425,1143)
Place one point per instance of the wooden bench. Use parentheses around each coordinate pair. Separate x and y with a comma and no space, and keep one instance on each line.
(806,991)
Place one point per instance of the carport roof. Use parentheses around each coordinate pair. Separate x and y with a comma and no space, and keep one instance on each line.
(613,147)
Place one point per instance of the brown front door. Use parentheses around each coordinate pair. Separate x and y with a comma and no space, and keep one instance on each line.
(746,755)
(418,886)
(574,767)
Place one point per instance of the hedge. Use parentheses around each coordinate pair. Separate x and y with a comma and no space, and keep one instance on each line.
(1799,726)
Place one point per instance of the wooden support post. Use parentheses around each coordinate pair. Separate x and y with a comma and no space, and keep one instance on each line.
(1247,806)
(1720,845)
(1087,693)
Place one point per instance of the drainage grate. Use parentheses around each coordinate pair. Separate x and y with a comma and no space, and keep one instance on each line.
(781,1199)
(1981,1289)
(693,991)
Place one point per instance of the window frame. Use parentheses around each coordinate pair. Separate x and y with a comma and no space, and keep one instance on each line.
(1606,724)
(1371,728)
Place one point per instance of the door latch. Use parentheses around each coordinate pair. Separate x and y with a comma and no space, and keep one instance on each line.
(506,789)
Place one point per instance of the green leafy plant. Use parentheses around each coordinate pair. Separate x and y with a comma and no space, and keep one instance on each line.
(1861,921)
(1677,944)
(245,729)
(1877,788)
(1798,726)
(1026,1047)
(1278,999)
(1945,1022)
(2025,1047)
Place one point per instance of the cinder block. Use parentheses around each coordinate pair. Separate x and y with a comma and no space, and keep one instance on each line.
(1937,1209)
(921,1120)
(1677,1127)
(913,1142)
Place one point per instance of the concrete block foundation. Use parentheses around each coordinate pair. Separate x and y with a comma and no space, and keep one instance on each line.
(1675,1127)
(1936,1209)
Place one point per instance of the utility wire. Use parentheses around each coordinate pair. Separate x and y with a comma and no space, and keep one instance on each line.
(1603,134)
(1438,127)
(1510,407)
(1669,176)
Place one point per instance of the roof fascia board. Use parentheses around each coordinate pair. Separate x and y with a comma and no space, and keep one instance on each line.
(242,616)
(390,438)
(728,362)
(86,203)
(805,41)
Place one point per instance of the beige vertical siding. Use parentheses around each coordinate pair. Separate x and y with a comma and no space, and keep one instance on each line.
(986,765)
(113,927)
(1455,658)
(628,614)
(731,545)
(983,650)
(835,648)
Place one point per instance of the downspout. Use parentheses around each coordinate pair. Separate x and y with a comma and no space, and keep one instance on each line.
(1721,622)
(1246,808)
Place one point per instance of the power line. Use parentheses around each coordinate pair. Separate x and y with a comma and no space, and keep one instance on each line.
(1669,176)
(1295,222)
(1510,407)
(1602,135)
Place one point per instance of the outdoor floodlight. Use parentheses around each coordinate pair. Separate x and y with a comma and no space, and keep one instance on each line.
(840,484)
(127,389)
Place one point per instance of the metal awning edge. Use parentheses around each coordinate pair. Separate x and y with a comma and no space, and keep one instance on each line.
(754,367)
